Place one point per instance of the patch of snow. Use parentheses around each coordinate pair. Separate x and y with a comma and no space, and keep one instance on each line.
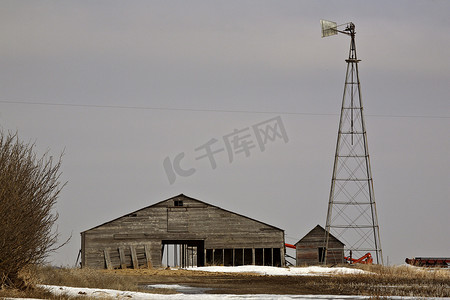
(20,299)
(275,271)
(167,286)
(116,294)
(178,288)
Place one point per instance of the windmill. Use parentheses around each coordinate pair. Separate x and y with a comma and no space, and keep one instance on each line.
(352,215)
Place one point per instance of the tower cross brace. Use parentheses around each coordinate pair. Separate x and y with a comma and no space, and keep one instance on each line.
(352,215)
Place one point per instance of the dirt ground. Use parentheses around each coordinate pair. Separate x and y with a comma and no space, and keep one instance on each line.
(238,283)
(378,282)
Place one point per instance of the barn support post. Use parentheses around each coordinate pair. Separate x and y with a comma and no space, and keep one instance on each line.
(271,250)
(263,259)
(134,257)
(83,255)
(175,258)
(78,258)
(180,256)
(253,256)
(148,256)
(122,258)
(186,256)
(183,256)
(107,259)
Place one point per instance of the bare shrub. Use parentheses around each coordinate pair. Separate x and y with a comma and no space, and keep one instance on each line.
(29,189)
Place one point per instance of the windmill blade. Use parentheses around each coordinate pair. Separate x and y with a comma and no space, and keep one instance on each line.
(328,28)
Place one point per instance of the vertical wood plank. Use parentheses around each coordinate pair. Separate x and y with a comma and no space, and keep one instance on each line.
(271,252)
(264,260)
(148,256)
(107,259)
(123,265)
(233,255)
(253,256)
(134,257)
(83,251)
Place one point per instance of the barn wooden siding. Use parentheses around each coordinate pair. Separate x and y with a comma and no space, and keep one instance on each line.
(312,245)
(219,237)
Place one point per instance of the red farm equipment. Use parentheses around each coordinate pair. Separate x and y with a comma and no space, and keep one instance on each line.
(288,263)
(365,259)
(289,246)
(441,262)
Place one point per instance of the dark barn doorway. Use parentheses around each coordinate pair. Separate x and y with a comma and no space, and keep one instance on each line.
(183,253)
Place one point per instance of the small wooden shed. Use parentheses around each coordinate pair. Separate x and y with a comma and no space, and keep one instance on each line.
(192,232)
(310,250)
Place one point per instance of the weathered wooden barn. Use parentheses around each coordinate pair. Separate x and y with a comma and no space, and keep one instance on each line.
(204,234)
(310,250)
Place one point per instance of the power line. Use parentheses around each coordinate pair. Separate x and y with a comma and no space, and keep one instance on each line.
(164,108)
(210,110)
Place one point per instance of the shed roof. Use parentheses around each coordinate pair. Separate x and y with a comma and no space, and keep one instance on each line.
(186,197)
(318,227)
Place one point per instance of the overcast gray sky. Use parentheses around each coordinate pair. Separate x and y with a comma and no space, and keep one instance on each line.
(216,66)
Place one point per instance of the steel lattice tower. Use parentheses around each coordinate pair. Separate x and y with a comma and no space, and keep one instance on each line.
(352,215)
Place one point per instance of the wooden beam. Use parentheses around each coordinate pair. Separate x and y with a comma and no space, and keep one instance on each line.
(123,264)
(233,255)
(272,255)
(107,259)
(134,257)
(148,256)
(264,261)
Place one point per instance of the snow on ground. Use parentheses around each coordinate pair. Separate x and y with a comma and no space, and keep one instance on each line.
(105,293)
(184,289)
(293,271)
(20,299)
(196,293)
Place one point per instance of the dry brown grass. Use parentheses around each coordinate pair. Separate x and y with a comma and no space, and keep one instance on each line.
(406,271)
(91,278)
(125,280)
(37,293)
(33,276)
(33,292)
(404,281)
(380,283)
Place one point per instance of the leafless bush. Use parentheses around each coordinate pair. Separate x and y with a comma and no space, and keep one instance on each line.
(29,188)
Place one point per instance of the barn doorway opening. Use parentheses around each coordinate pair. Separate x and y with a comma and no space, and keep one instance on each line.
(243,257)
(321,254)
(183,253)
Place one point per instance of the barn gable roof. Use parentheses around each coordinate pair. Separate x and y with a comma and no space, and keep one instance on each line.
(318,227)
(188,198)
